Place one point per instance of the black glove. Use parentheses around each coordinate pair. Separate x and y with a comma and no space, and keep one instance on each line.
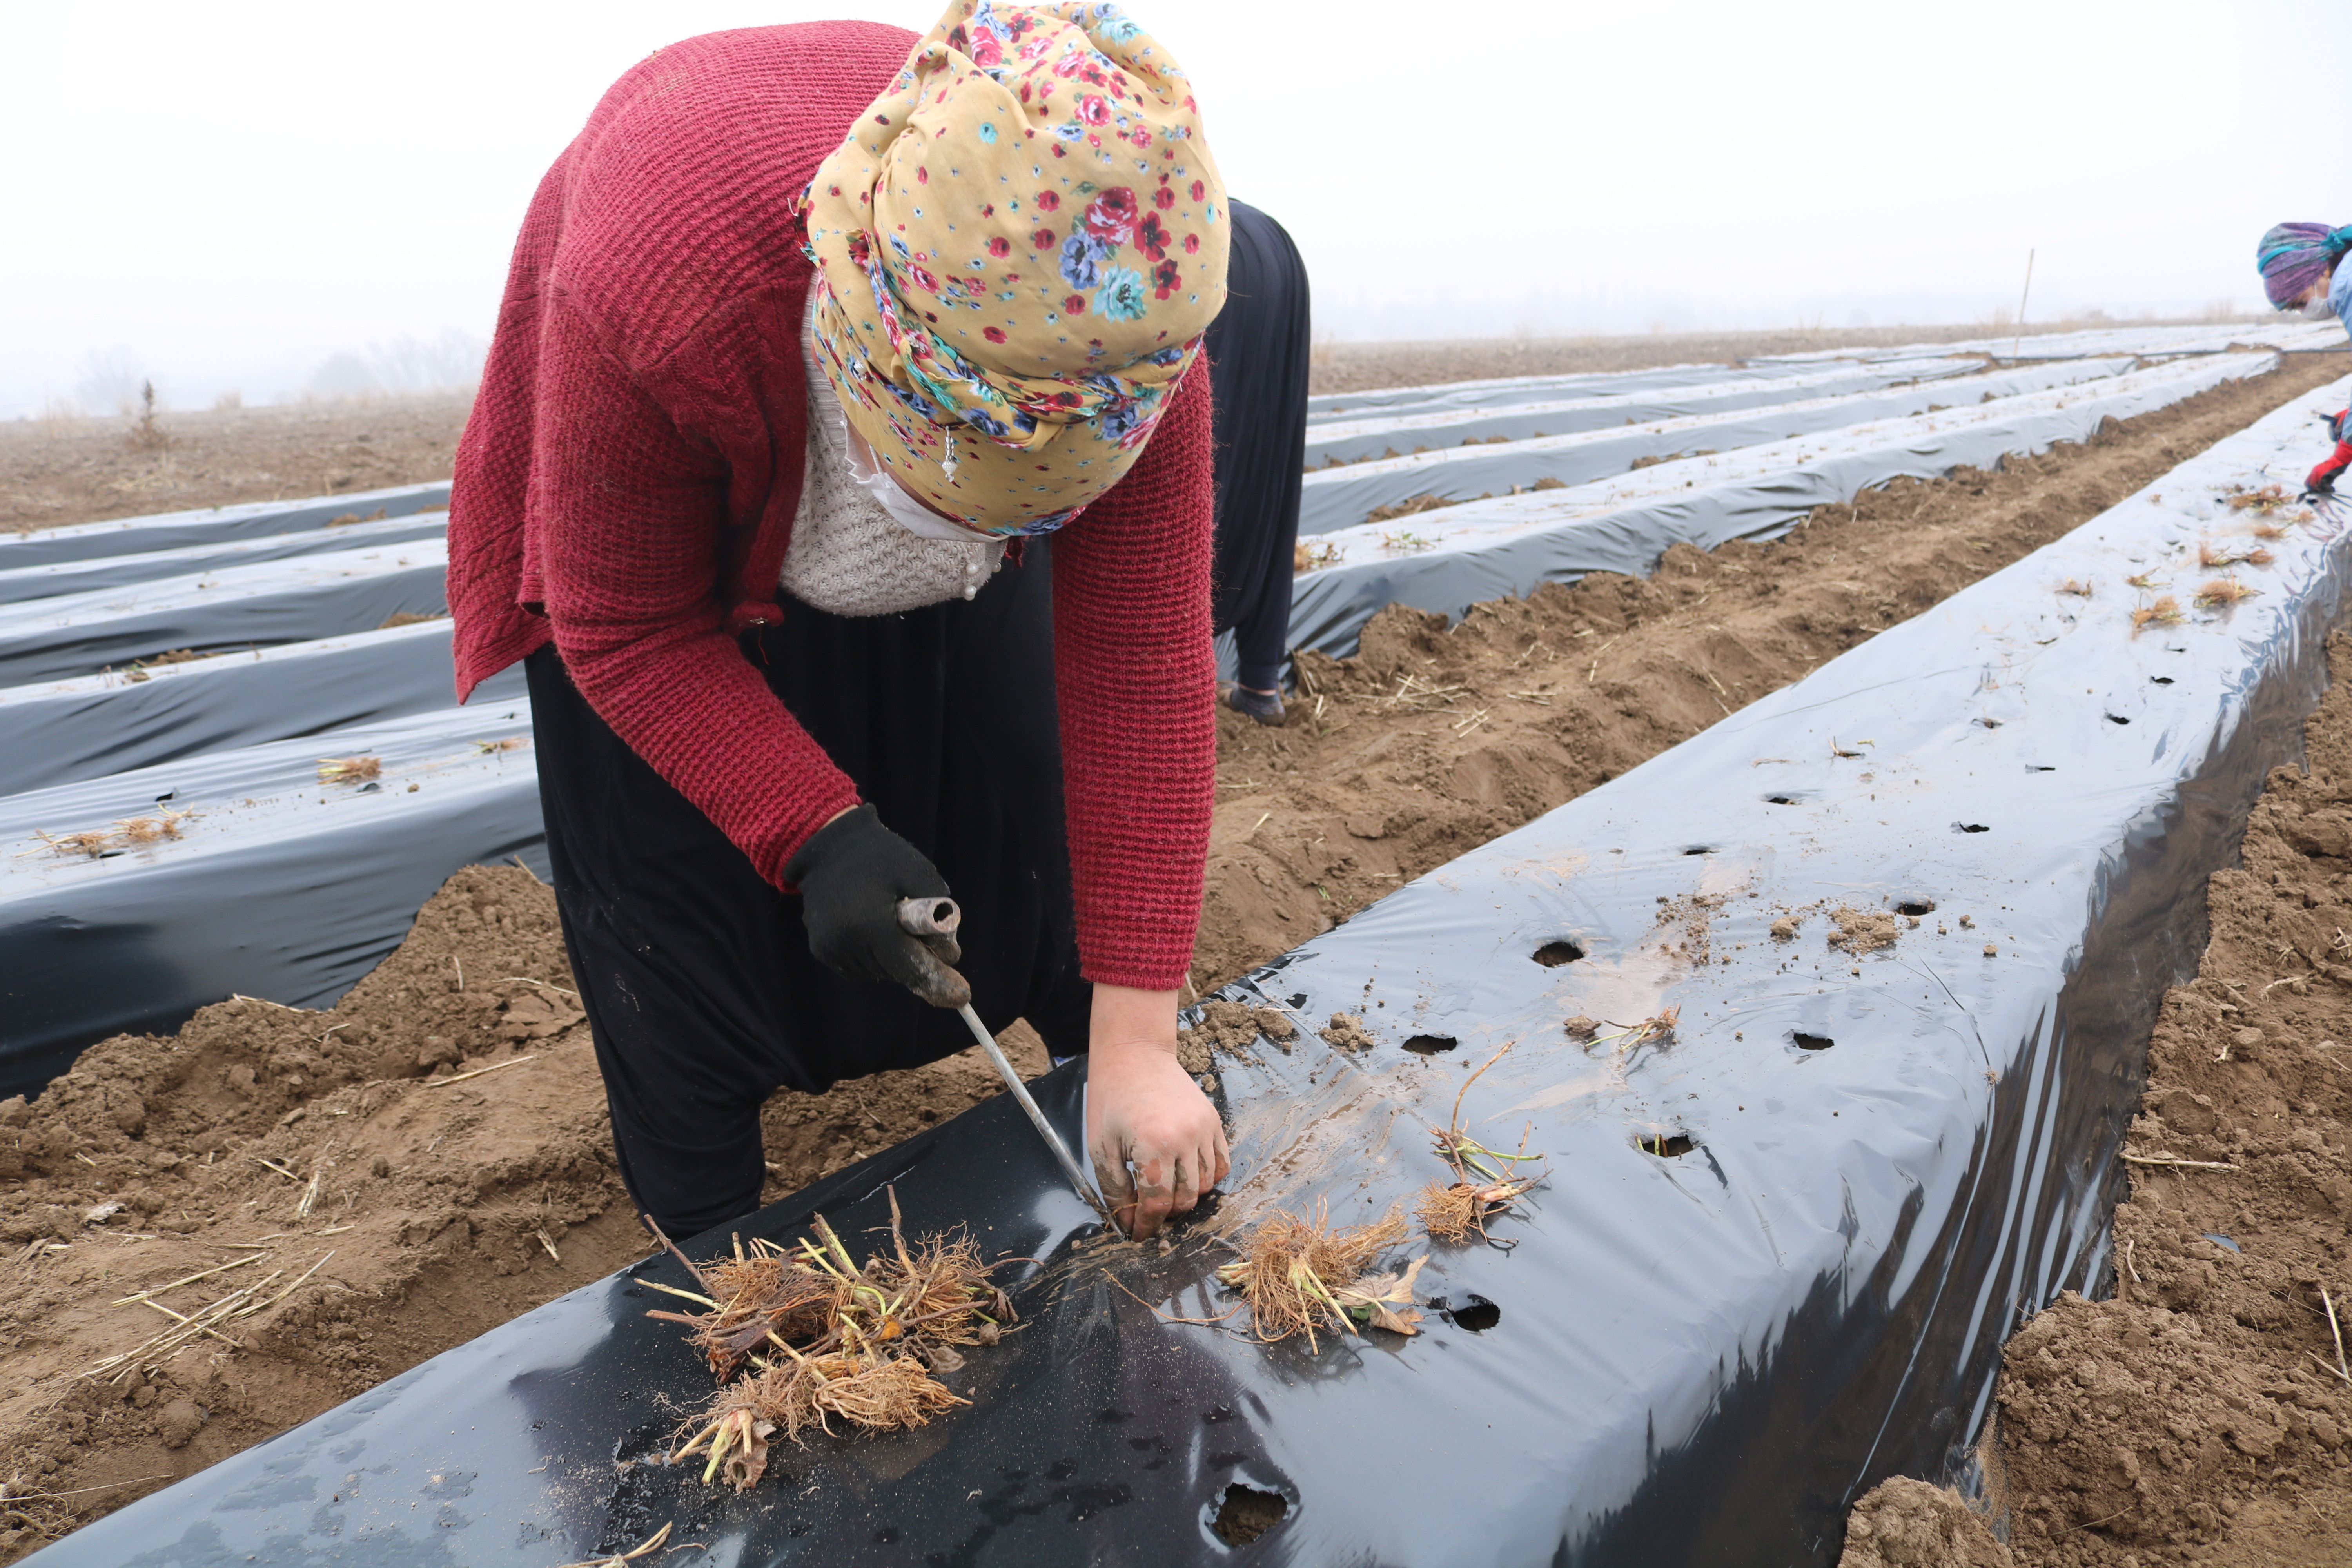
(852,873)
(2335,425)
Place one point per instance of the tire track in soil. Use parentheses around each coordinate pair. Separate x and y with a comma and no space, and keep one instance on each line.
(1422,751)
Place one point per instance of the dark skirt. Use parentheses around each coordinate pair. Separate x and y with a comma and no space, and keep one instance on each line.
(695,972)
(1259,350)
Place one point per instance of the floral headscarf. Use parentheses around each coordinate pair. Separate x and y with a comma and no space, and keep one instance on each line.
(1017,249)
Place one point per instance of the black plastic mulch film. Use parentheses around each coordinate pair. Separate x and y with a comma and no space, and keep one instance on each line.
(1775,1258)
(1515,545)
(319,881)
(213,525)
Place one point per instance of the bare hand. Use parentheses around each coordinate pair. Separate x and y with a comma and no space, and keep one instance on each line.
(1144,1109)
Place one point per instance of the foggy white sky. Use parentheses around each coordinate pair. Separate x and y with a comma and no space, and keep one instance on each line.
(225,196)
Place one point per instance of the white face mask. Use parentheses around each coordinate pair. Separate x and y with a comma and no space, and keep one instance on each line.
(905,510)
(2317,309)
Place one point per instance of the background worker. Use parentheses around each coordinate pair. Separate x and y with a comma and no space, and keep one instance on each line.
(807,331)
(2303,271)
(1259,350)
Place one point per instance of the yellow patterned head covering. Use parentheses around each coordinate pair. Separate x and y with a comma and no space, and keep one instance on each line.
(1017,250)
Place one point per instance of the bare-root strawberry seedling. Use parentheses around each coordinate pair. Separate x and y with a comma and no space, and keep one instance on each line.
(2224,592)
(1301,1274)
(817,1335)
(1486,1181)
(1655,1030)
(2270,501)
(2215,557)
(129,833)
(2164,611)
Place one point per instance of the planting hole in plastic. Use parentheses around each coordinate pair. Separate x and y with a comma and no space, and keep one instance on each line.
(1552,954)
(1477,1315)
(1811,1042)
(1781,800)
(1989,723)
(1913,905)
(1700,849)
(2117,719)
(1430,1044)
(1244,1513)
(2161,679)
(1971,827)
(1665,1145)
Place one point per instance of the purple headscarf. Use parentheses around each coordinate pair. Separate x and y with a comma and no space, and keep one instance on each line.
(2295,255)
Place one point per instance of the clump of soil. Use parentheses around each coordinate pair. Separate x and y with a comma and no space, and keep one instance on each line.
(1346,1032)
(1231,1029)
(1434,739)
(1784,929)
(1694,913)
(1904,1524)
(343,1149)
(1862,931)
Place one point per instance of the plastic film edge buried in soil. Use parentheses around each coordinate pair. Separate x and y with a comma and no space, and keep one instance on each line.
(1914,913)
(214,525)
(1333,498)
(129,902)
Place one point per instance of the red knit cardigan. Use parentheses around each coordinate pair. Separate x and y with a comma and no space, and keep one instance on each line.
(626,484)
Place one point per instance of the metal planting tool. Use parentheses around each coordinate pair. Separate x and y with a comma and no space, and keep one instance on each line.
(940,917)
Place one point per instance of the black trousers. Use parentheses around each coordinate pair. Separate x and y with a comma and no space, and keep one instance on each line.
(695,972)
(1259,347)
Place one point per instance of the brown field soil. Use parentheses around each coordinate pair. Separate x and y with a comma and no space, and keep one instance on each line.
(394,1208)
(55,471)
(2202,1413)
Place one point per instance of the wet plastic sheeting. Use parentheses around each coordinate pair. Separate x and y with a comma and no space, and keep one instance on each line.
(1700,1356)
(46,581)
(1340,497)
(1380,435)
(273,602)
(1513,544)
(65,730)
(278,885)
(212,525)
